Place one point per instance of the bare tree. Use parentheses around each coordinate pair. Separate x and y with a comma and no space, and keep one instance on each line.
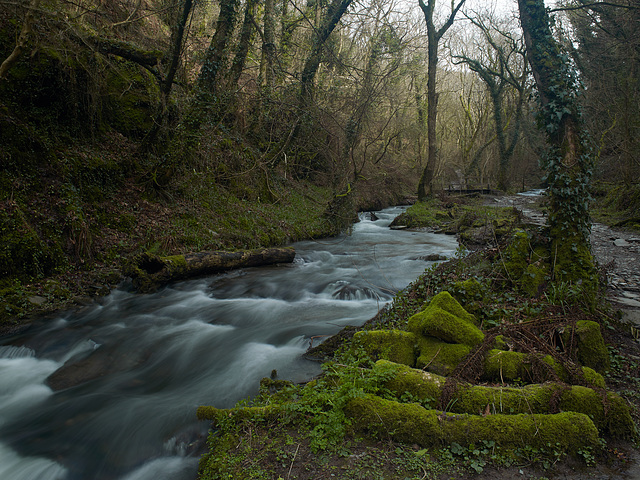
(502,68)
(434,35)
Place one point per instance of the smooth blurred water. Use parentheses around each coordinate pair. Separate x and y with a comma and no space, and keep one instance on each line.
(147,361)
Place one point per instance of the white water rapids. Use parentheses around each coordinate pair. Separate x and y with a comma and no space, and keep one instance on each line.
(147,361)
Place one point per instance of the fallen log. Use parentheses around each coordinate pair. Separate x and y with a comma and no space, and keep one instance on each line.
(148,271)
(411,423)
(608,411)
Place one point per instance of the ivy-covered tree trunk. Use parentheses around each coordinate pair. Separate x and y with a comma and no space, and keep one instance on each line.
(568,163)
(268,48)
(244,44)
(21,44)
(217,56)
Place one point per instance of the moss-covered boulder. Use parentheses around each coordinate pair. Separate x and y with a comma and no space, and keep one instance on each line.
(420,384)
(446,302)
(592,351)
(393,345)
(440,357)
(413,424)
(444,318)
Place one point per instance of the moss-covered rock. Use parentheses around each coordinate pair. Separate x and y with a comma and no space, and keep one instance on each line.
(393,345)
(444,318)
(592,351)
(411,423)
(506,366)
(446,302)
(509,366)
(420,384)
(132,97)
(436,322)
(440,357)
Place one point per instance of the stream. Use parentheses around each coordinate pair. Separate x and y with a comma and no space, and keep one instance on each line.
(136,367)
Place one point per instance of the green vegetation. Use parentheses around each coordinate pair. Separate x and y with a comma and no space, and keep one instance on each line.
(466,216)
(506,386)
(617,205)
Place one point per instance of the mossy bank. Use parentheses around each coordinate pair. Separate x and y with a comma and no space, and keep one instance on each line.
(467,371)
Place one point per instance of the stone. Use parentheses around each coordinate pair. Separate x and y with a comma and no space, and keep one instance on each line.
(621,242)
(627,301)
(37,300)
(631,316)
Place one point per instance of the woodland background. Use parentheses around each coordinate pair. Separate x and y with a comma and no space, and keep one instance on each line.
(170,126)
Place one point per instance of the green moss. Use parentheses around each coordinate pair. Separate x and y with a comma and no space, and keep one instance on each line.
(573,264)
(132,98)
(23,252)
(176,261)
(505,366)
(526,264)
(610,415)
(411,423)
(593,378)
(440,357)
(420,384)
(446,302)
(509,366)
(500,343)
(393,345)
(225,415)
(436,322)
(592,352)
(533,279)
(427,214)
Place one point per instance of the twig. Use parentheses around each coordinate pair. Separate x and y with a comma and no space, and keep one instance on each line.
(293,460)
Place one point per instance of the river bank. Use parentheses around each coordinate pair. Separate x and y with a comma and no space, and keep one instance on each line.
(292,447)
(111,391)
(127,222)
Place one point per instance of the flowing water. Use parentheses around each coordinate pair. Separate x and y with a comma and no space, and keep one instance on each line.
(137,366)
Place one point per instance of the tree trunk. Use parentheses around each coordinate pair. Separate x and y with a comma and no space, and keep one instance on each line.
(150,272)
(244,44)
(336,9)
(425,185)
(268,48)
(217,56)
(176,45)
(166,85)
(568,163)
(21,44)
